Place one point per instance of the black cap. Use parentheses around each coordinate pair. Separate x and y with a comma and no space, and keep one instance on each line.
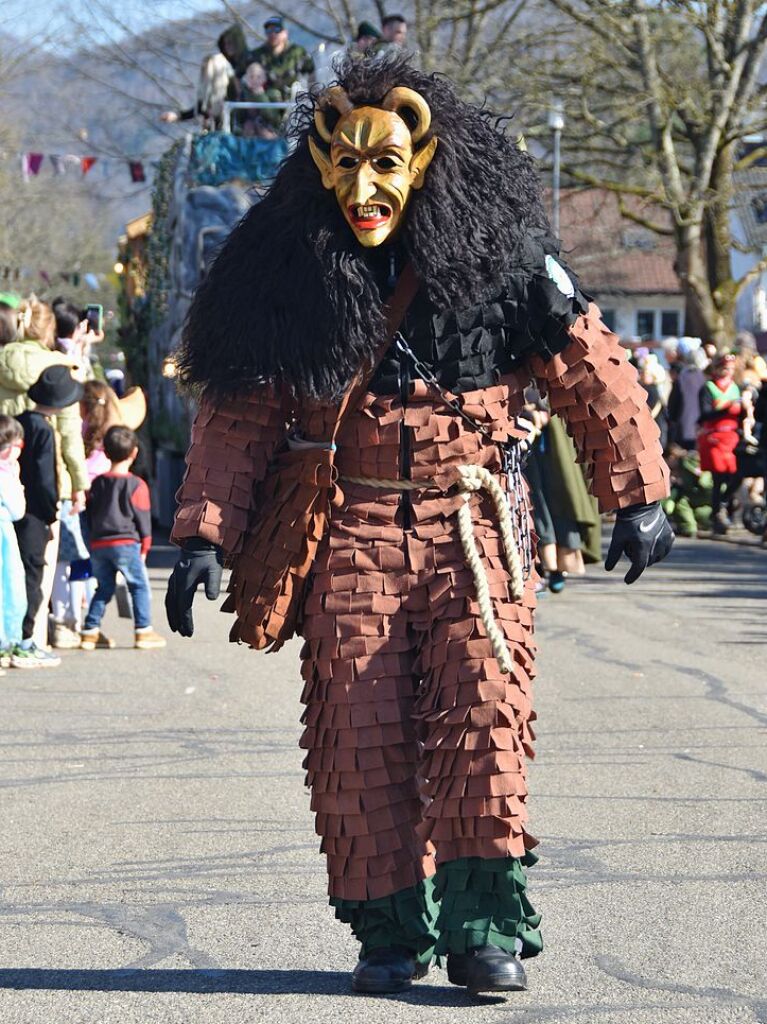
(274,22)
(56,388)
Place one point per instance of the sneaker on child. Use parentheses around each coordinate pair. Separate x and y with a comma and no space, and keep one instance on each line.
(32,656)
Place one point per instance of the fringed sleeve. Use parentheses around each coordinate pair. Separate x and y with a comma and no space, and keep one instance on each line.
(233,441)
(595,390)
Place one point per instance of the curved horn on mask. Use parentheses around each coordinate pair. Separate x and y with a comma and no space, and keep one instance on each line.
(400,96)
(333,97)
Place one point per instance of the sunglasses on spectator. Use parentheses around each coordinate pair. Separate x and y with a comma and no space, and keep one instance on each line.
(273,31)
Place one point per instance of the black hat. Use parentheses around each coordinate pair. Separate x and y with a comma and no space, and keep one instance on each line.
(366,29)
(56,388)
(274,22)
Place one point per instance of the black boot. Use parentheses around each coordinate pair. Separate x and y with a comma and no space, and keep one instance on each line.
(487,969)
(387,970)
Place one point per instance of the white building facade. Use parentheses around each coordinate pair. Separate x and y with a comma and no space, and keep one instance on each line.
(646,316)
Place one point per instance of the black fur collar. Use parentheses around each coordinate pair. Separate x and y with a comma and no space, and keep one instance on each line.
(294,296)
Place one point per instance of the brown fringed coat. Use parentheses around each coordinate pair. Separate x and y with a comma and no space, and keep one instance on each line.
(416,740)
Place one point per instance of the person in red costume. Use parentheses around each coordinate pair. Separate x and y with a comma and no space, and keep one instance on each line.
(718,435)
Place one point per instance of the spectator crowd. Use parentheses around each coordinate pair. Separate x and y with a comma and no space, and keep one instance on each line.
(711,407)
(73,514)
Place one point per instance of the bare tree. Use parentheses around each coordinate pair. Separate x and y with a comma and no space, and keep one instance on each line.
(659,98)
(45,233)
(473,41)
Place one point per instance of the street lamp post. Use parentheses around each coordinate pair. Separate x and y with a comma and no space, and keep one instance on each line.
(556,123)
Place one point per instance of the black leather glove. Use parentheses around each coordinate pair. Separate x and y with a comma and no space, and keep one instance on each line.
(643,534)
(199,562)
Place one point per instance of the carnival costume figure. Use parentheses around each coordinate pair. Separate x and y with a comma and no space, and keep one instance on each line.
(417,618)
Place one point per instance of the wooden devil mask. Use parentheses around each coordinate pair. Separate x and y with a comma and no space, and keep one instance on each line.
(373,164)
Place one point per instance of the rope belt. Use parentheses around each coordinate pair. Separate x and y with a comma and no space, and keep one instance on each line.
(473,479)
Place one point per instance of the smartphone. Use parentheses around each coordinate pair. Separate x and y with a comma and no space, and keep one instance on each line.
(94,314)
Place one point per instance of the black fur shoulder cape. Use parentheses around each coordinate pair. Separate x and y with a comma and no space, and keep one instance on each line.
(292,295)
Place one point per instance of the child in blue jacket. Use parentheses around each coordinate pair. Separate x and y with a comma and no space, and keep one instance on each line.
(13,593)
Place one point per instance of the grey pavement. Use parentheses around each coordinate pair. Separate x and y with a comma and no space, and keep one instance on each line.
(158,863)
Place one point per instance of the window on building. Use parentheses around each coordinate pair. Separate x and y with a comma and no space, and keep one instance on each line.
(646,323)
(759,206)
(670,323)
(608,319)
(638,238)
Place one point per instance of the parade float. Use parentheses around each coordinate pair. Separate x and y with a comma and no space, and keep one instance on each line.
(203,185)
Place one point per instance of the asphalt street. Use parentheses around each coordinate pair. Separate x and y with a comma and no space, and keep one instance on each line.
(158,863)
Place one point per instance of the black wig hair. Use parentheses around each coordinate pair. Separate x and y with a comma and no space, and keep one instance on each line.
(293,295)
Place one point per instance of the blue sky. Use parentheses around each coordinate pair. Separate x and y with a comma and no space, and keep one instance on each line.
(53,18)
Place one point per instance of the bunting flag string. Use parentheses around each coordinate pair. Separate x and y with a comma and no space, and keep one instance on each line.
(14,277)
(63,163)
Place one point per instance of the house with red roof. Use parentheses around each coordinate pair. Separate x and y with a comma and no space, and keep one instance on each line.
(627,268)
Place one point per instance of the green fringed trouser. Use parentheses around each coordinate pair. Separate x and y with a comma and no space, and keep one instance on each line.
(470,902)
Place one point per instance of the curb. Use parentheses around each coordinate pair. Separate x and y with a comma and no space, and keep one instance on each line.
(742,542)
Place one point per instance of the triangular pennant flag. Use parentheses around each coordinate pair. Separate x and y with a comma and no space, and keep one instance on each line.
(34,162)
(86,162)
(59,164)
(137,174)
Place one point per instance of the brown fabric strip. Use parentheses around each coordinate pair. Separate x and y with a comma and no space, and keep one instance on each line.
(595,389)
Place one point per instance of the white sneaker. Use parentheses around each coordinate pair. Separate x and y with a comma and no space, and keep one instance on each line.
(33,657)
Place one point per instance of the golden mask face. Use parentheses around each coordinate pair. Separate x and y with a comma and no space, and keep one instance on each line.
(373,169)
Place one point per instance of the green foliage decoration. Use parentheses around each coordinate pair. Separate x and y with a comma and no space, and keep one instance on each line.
(159,244)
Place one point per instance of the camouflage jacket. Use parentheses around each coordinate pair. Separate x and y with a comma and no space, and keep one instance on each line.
(284,68)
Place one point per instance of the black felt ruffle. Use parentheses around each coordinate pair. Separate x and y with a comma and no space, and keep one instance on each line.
(472,348)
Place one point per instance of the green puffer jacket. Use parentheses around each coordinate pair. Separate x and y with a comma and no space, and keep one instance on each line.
(21,363)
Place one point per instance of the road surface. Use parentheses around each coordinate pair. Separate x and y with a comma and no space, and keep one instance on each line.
(158,863)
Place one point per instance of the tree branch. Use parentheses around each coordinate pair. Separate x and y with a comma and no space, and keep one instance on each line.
(643,222)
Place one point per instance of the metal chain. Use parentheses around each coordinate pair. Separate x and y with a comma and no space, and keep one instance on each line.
(513,455)
(428,375)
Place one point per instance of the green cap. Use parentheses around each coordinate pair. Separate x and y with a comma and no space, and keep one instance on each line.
(367,29)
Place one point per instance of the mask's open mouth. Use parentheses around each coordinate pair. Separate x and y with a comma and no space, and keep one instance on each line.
(369,216)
